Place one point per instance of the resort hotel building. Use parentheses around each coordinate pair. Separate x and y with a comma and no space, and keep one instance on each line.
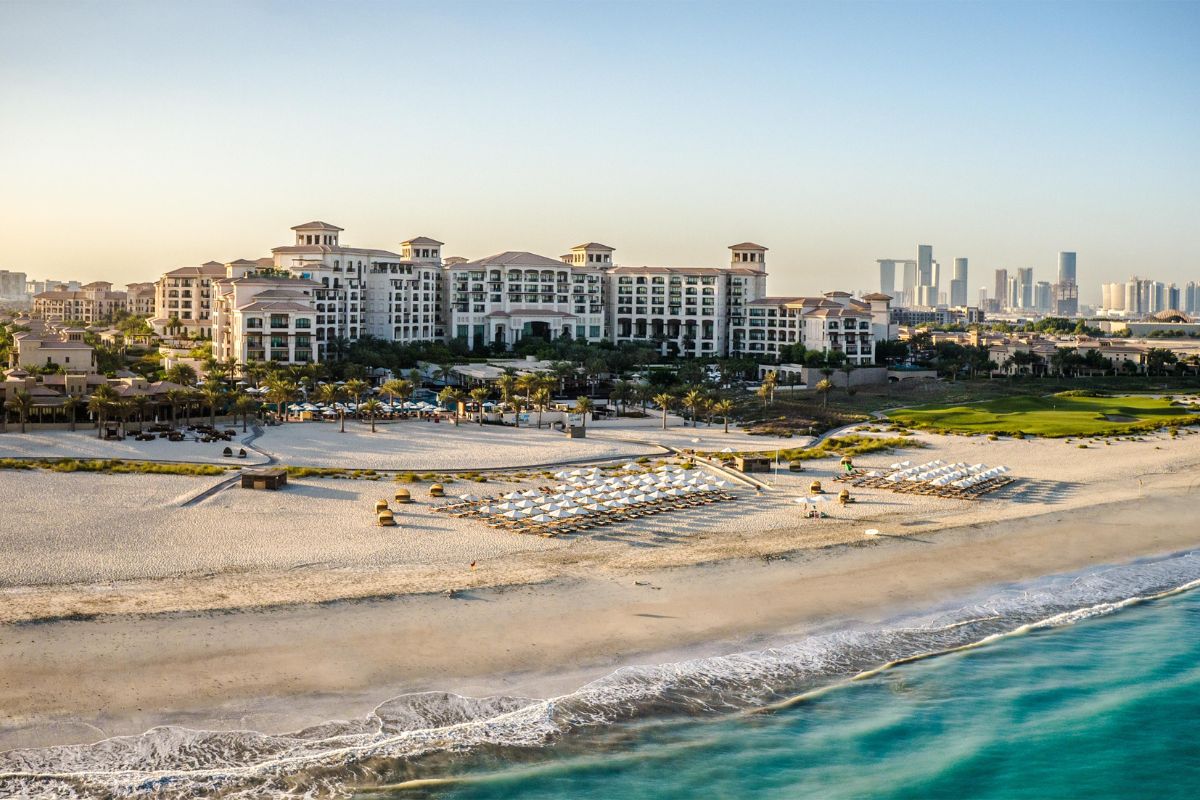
(316,293)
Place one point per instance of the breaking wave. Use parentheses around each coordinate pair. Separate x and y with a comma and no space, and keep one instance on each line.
(334,758)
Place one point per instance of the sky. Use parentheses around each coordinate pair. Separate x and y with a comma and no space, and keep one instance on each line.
(137,137)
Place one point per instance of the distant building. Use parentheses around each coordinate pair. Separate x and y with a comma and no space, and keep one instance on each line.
(1000,295)
(91,303)
(1066,290)
(958,283)
(13,286)
(887,276)
(139,299)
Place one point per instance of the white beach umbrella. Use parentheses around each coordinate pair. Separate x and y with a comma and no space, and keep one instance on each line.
(469,498)
(522,504)
(811,499)
(516,513)
(530,493)
(505,507)
(485,509)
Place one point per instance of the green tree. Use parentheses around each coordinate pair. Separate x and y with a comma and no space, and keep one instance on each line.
(213,392)
(333,395)
(21,402)
(100,404)
(243,405)
(824,387)
(281,391)
(182,374)
(722,408)
(70,404)
(664,400)
(449,396)
(357,388)
(692,401)
(585,407)
(397,387)
(479,395)
(372,408)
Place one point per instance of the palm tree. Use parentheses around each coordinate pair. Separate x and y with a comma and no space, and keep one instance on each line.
(22,403)
(175,398)
(517,403)
(824,387)
(479,395)
(281,391)
(692,401)
(100,403)
(562,370)
(664,401)
(213,392)
(182,374)
(372,408)
(764,393)
(722,409)
(506,383)
(397,387)
(621,392)
(540,400)
(70,403)
(142,403)
(769,382)
(450,396)
(356,388)
(331,394)
(243,405)
(124,409)
(585,406)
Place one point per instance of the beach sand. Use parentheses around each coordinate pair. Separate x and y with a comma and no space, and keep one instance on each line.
(285,668)
(235,639)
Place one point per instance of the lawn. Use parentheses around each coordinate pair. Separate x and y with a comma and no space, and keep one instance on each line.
(1050,415)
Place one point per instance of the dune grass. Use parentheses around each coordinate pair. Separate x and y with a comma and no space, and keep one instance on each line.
(1051,416)
(113,465)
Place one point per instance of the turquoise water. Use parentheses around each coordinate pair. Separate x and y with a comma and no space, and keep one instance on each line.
(1106,707)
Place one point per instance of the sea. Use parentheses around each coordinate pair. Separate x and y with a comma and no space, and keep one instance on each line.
(1084,685)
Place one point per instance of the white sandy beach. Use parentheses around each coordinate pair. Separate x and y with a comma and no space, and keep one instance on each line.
(82,545)
(93,543)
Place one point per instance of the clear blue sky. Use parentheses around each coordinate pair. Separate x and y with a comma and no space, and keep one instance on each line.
(140,136)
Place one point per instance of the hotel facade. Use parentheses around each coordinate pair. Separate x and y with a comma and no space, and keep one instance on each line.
(315,293)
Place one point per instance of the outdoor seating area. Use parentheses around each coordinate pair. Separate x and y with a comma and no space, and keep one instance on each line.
(586,498)
(330,412)
(937,478)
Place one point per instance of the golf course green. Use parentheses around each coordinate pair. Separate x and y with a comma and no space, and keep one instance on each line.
(1050,415)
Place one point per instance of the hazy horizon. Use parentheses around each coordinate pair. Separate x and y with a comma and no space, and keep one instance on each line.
(140,137)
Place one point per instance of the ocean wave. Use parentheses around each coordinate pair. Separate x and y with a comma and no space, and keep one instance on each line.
(327,760)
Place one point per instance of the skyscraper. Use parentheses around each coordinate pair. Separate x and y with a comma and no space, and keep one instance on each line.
(887,276)
(910,283)
(1024,296)
(1043,296)
(1001,293)
(1066,290)
(958,283)
(925,265)
(1066,267)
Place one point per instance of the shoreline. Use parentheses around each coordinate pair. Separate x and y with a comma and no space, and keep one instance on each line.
(283,668)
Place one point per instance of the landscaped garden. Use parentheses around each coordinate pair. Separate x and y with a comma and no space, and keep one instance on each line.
(1063,414)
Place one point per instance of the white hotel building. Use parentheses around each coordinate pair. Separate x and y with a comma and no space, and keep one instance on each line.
(295,305)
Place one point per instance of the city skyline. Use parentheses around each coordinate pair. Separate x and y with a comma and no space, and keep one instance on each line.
(1080,137)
